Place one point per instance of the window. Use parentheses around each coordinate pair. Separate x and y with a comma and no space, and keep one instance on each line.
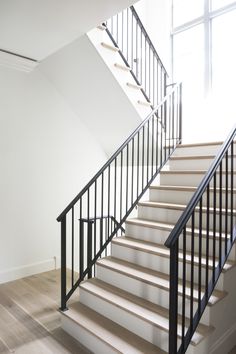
(189,60)
(186,10)
(224,52)
(217,4)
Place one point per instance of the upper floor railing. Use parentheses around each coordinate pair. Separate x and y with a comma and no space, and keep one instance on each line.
(98,212)
(208,223)
(138,52)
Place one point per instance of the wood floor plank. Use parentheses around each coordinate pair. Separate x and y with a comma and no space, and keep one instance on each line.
(29,317)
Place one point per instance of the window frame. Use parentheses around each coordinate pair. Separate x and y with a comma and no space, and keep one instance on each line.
(206,19)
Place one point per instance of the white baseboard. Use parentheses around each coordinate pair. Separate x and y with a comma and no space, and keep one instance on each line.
(29,269)
(226,342)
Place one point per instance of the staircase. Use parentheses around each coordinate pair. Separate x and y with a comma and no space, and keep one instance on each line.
(149,243)
(124,308)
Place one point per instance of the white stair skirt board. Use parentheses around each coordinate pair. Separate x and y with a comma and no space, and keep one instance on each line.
(125,309)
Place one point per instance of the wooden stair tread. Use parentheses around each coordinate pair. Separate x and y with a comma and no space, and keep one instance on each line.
(181,207)
(154,314)
(168,227)
(122,67)
(186,188)
(134,86)
(144,103)
(186,172)
(152,277)
(192,157)
(114,335)
(201,144)
(110,47)
(162,251)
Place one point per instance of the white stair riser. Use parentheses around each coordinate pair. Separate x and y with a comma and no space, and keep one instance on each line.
(187,179)
(173,215)
(154,262)
(196,164)
(197,150)
(160,236)
(146,233)
(190,164)
(86,338)
(181,197)
(137,325)
(153,294)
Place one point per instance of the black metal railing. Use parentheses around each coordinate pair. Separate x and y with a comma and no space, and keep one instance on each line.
(98,212)
(208,223)
(128,34)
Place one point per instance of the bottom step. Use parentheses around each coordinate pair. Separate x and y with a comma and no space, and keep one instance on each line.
(101,335)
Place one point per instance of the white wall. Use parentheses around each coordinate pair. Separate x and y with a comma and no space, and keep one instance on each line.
(156,17)
(47,156)
(91,90)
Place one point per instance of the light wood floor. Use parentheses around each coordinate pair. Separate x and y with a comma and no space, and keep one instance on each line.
(29,317)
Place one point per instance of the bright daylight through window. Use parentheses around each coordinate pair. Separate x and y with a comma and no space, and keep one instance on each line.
(204,57)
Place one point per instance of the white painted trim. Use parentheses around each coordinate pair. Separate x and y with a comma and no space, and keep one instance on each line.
(29,269)
(16,62)
(222,340)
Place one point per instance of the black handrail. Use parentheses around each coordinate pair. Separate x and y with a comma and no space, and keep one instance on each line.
(136,49)
(220,218)
(98,212)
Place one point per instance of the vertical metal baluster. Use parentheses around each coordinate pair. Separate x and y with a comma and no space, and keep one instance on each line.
(115,176)
(169,132)
(95,223)
(154,81)
(232,192)
(148,132)
(157,140)
(136,49)
(81,240)
(157,81)
(72,246)
(165,124)
(149,90)
(220,215)
(207,242)
(200,257)
(127,176)
(161,148)
(226,199)
(173,298)
(192,270)
(117,29)
(184,286)
(63,264)
(138,147)
(214,226)
(122,31)
(121,182)
(108,198)
(102,206)
(127,24)
(89,248)
(152,144)
(106,233)
(132,174)
(132,42)
(143,159)
(141,58)
(145,71)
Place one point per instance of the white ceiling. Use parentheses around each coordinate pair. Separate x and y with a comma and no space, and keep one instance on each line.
(36,29)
